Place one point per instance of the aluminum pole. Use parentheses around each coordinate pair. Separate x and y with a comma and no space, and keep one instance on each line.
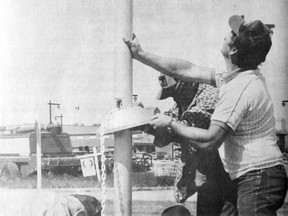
(123,92)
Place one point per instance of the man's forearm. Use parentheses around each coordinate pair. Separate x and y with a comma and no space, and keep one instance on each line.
(178,68)
(200,138)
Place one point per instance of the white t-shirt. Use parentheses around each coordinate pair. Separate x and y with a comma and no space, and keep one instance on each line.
(246,107)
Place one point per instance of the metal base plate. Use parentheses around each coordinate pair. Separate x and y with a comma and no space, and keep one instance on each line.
(129,118)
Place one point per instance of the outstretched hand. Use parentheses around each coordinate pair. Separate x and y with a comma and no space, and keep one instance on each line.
(160,121)
(134,46)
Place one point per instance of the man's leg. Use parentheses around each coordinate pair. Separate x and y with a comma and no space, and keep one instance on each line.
(262,192)
(212,195)
(229,192)
(209,201)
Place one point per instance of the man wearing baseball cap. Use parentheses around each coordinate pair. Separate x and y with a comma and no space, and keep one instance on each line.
(202,171)
(243,124)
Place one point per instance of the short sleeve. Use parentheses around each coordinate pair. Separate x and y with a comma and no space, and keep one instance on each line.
(231,107)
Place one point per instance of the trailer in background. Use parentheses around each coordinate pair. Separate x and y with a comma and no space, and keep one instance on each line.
(18,153)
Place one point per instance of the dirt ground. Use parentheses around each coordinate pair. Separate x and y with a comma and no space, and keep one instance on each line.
(146,208)
(145,203)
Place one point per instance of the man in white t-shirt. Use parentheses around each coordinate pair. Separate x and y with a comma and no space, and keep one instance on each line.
(202,170)
(243,120)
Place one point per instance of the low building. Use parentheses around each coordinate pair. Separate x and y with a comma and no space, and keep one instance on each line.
(88,137)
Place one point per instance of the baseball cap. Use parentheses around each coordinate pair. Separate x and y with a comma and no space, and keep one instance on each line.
(252,35)
(168,85)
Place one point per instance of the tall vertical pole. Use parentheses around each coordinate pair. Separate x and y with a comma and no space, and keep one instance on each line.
(123,92)
(50,112)
(38,153)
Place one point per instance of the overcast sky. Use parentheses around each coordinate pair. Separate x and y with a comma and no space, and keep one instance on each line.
(63,51)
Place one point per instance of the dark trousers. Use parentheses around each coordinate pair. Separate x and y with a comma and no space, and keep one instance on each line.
(259,192)
(211,196)
(210,201)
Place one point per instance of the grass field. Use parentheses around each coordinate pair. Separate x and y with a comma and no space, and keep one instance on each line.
(139,180)
(63,180)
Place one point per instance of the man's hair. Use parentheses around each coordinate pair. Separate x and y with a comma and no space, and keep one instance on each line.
(177,210)
(251,52)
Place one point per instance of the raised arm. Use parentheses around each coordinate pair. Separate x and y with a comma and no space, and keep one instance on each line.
(177,68)
(208,139)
